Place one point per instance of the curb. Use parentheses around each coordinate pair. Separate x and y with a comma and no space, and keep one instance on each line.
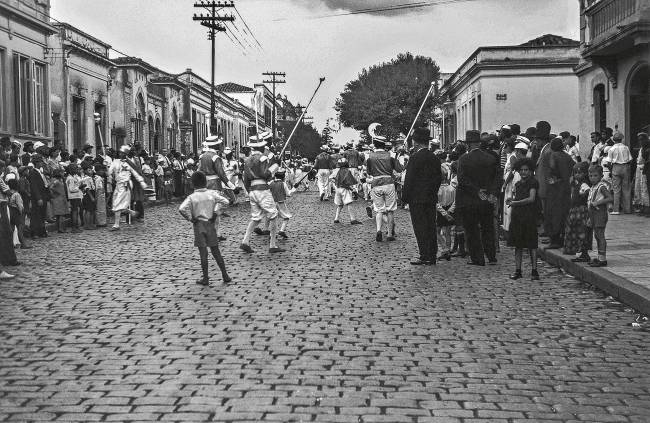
(625,291)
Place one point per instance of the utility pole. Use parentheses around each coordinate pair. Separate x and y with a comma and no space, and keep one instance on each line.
(213,22)
(274,80)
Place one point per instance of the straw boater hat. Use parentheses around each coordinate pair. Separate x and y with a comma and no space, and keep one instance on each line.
(259,140)
(125,148)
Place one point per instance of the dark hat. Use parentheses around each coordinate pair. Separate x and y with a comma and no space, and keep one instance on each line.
(565,134)
(37,158)
(86,164)
(421,136)
(557,144)
(27,144)
(530,133)
(5,140)
(473,136)
(542,129)
(515,128)
(87,147)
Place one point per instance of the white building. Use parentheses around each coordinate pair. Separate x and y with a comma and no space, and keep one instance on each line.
(521,84)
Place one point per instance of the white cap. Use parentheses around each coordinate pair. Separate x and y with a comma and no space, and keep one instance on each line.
(259,140)
(213,140)
(521,146)
(125,148)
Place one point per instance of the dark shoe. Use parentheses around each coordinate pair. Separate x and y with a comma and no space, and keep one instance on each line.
(472,263)
(283,235)
(355,222)
(419,262)
(257,231)
(553,247)
(227,279)
(379,236)
(581,259)
(225,215)
(534,276)
(15,263)
(25,247)
(369,211)
(112,229)
(516,275)
(266,232)
(203,281)
(445,256)
(337,221)
(598,263)
(492,262)
(276,250)
(545,241)
(221,238)
(322,196)
(246,248)
(390,238)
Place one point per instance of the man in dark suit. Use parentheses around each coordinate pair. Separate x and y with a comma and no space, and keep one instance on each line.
(478,172)
(420,192)
(40,196)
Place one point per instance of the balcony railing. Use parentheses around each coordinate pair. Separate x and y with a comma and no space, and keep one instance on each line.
(610,14)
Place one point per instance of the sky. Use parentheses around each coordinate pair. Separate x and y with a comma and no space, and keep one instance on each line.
(304,40)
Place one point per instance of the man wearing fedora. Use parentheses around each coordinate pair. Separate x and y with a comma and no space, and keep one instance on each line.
(478,173)
(420,192)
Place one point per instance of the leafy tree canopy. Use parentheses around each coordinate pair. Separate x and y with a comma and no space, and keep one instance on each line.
(306,141)
(389,93)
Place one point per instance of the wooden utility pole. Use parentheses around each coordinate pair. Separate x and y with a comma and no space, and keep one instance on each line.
(213,22)
(274,80)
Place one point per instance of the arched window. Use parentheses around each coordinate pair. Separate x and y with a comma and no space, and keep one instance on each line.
(173,126)
(139,119)
(600,108)
(156,135)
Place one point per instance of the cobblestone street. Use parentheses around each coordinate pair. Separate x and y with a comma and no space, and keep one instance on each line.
(106,326)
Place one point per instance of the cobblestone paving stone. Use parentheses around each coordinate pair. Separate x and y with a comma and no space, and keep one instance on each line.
(112,327)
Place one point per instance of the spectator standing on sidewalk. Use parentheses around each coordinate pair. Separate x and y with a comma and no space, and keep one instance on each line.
(641,195)
(599,198)
(17,213)
(40,196)
(577,234)
(645,156)
(59,199)
(523,227)
(558,193)
(620,157)
(7,251)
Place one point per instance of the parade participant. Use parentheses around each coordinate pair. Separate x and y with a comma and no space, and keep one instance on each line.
(258,170)
(120,175)
(322,167)
(212,167)
(201,208)
(231,169)
(421,186)
(477,183)
(136,156)
(345,182)
(280,192)
(523,228)
(381,165)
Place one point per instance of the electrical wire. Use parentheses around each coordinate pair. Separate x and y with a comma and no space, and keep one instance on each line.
(396,7)
(248,28)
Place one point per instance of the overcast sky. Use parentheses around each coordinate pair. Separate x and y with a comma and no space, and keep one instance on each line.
(296,39)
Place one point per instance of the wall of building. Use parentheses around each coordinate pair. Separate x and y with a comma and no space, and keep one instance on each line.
(525,97)
(29,41)
(615,98)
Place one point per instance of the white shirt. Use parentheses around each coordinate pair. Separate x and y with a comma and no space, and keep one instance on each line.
(619,153)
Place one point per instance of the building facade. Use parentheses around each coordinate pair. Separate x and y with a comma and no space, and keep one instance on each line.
(146,106)
(25,113)
(520,84)
(259,99)
(614,70)
(79,80)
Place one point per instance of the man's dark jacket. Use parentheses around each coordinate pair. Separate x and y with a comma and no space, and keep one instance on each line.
(477,170)
(423,178)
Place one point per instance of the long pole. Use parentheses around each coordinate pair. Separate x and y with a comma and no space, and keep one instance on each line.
(320,82)
(213,126)
(406,140)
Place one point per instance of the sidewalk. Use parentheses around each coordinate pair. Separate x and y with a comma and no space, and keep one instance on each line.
(627,275)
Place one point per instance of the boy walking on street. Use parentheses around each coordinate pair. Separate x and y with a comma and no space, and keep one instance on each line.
(201,209)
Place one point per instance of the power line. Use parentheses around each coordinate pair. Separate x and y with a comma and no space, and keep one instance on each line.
(396,7)
(248,28)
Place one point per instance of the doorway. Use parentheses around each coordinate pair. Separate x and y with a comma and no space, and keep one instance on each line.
(638,104)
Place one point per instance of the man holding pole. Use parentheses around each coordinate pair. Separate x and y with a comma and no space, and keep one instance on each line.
(258,170)
(323,167)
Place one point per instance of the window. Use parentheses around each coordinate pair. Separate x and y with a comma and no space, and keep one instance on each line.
(600,108)
(478,113)
(40,106)
(30,95)
(78,119)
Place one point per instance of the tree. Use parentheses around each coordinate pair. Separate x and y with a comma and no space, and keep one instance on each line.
(391,94)
(306,141)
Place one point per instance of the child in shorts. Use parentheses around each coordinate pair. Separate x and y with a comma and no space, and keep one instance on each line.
(280,192)
(345,182)
(201,209)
